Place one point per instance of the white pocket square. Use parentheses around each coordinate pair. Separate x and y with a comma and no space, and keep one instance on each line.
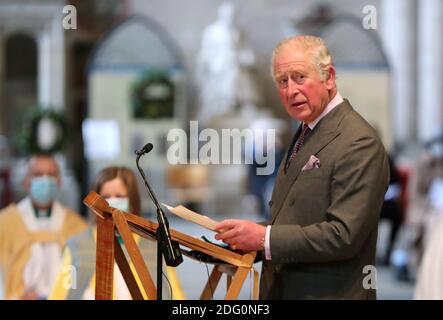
(313,163)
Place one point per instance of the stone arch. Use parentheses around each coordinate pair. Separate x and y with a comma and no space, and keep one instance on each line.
(123,59)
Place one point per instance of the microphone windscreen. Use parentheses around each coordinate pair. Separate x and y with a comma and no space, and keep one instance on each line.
(148,147)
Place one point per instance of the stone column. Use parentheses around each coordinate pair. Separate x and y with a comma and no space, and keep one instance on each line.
(58,61)
(44,68)
(51,65)
(430,68)
(398,33)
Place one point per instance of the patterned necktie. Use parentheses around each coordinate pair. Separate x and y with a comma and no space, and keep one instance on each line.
(301,139)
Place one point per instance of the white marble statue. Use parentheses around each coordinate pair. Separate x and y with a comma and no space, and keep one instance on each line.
(224,68)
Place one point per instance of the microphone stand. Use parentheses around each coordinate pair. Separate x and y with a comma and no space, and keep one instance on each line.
(165,246)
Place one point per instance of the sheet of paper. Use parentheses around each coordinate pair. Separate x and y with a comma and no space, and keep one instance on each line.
(192,216)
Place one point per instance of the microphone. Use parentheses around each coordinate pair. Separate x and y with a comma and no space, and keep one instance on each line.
(165,245)
(146,149)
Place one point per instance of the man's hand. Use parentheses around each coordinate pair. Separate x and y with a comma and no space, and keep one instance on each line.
(241,234)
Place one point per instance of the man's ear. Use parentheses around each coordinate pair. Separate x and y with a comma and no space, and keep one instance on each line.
(330,78)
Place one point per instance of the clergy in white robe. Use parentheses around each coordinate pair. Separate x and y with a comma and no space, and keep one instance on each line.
(33,232)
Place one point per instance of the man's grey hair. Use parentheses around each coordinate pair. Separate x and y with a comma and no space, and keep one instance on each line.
(321,58)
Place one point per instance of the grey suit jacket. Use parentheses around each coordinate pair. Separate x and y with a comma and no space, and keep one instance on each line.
(324,221)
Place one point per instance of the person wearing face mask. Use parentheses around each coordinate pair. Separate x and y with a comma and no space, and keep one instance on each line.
(76,280)
(33,232)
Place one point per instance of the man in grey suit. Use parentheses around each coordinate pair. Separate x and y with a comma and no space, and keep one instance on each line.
(321,239)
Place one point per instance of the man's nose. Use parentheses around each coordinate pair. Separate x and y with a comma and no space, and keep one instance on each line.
(292,88)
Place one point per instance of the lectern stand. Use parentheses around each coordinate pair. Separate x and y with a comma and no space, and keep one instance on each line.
(236,265)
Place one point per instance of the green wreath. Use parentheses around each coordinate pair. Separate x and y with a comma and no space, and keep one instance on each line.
(28,139)
(148,106)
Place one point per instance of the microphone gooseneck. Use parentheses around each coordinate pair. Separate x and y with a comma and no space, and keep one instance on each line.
(148,188)
(166,247)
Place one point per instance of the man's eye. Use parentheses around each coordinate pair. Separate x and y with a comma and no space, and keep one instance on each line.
(299,78)
(282,82)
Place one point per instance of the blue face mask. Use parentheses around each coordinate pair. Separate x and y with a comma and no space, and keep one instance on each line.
(119,203)
(43,189)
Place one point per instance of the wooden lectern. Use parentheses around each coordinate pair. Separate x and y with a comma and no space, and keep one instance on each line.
(236,265)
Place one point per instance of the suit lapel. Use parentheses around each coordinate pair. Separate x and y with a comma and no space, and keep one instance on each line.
(324,132)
